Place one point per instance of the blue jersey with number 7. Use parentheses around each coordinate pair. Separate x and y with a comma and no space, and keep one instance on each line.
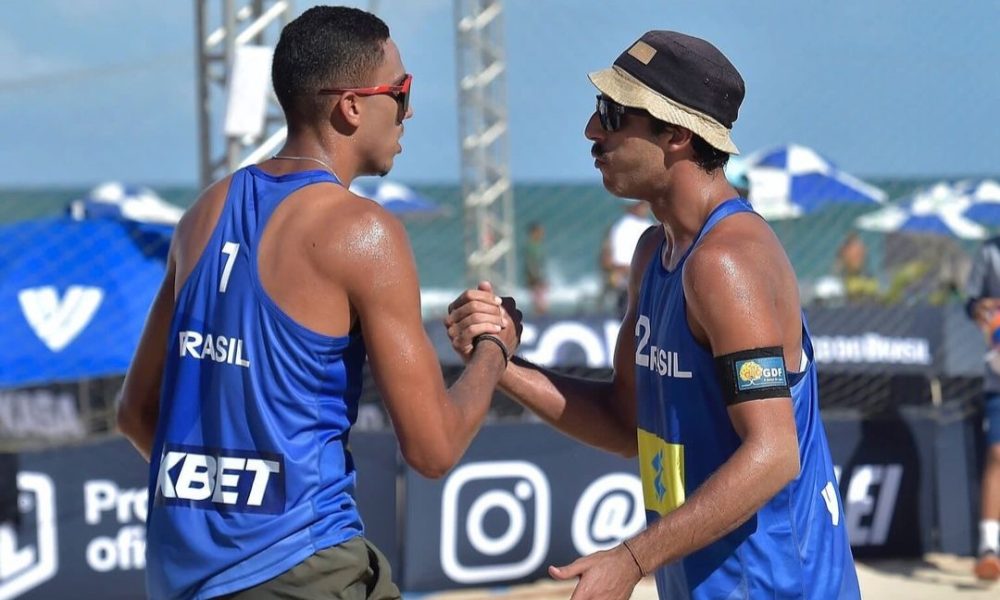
(250,472)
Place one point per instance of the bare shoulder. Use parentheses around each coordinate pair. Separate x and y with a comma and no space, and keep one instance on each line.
(196,226)
(740,288)
(741,250)
(349,233)
(208,204)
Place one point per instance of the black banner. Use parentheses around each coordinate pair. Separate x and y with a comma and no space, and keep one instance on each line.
(81,527)
(522,498)
(926,340)
(526,497)
(82,518)
(885,468)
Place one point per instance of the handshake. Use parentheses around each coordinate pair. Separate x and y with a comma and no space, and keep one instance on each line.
(479,315)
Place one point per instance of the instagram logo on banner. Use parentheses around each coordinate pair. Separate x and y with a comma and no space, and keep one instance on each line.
(29,553)
(494,521)
(609,511)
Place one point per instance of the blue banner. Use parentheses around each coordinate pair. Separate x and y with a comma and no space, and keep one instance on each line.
(75,295)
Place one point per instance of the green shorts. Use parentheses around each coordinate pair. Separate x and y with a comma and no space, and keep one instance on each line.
(354,570)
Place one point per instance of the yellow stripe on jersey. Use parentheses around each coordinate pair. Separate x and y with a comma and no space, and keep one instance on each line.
(661,465)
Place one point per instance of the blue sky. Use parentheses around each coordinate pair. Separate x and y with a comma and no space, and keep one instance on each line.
(105,89)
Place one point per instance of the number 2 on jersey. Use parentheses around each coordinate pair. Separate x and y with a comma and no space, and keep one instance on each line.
(230,249)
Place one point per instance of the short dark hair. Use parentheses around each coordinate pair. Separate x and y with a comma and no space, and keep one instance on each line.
(706,156)
(326,46)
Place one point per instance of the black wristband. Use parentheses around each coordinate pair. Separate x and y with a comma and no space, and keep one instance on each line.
(495,340)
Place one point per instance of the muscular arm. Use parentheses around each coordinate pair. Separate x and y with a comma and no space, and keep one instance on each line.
(589,410)
(434,425)
(139,401)
(735,302)
(599,413)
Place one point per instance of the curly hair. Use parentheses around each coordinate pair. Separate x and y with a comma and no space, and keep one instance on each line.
(706,156)
(327,46)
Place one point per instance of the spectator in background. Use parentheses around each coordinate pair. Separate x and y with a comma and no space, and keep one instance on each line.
(924,268)
(534,268)
(616,253)
(851,265)
(983,306)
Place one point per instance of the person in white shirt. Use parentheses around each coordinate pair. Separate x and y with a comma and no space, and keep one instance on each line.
(616,253)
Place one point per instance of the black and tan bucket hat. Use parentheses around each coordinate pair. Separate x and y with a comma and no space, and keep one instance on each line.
(679,79)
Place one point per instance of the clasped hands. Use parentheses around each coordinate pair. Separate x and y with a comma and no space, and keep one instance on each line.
(481,312)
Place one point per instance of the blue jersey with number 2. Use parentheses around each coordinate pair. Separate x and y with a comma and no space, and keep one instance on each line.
(796,545)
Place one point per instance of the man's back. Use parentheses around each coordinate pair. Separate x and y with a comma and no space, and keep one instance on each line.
(252,469)
(247,374)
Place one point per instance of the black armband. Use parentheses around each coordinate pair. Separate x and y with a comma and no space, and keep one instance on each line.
(753,374)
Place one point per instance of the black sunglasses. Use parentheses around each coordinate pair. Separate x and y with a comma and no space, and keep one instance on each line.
(610,113)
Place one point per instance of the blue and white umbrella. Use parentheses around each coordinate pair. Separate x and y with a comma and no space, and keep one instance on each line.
(966,210)
(117,200)
(792,181)
(76,289)
(983,197)
(396,197)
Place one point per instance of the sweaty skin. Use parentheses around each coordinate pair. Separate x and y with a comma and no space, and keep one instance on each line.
(333,262)
(741,293)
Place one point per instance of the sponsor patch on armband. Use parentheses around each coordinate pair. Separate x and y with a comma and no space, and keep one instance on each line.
(753,374)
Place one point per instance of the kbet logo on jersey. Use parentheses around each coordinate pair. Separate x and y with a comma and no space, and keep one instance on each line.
(221,479)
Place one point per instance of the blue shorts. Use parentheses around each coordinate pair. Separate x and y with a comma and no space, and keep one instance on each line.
(991,418)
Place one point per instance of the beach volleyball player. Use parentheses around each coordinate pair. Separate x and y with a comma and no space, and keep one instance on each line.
(245,385)
(714,384)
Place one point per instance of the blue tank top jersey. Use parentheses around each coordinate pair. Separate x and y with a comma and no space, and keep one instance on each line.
(250,472)
(796,546)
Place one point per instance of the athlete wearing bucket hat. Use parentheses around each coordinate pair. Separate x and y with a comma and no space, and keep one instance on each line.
(715,386)
(678,79)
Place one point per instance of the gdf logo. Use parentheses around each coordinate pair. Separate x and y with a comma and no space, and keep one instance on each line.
(27,561)
(57,322)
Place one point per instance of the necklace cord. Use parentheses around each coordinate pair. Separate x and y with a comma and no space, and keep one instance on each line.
(315,160)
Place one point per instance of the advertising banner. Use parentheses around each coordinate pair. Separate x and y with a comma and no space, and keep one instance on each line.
(522,498)
(927,340)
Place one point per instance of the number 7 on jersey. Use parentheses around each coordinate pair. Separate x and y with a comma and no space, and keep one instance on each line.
(230,249)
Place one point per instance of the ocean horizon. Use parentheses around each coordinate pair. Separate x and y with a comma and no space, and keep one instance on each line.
(576,217)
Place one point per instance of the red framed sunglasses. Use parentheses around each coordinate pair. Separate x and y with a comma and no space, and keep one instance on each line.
(400,91)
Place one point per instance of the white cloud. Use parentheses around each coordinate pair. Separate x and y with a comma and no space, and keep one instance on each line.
(18,63)
(83,9)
